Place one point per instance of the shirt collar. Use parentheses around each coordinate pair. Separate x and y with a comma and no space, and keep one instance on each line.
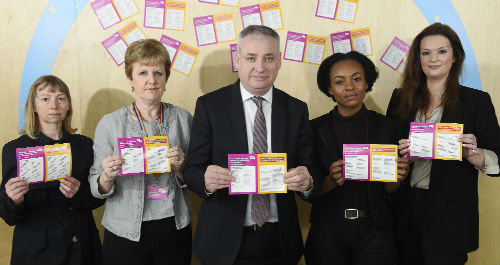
(435,117)
(245,95)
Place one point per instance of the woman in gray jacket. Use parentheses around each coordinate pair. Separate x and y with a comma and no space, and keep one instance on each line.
(142,227)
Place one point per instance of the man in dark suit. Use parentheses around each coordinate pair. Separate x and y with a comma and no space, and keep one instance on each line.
(249,116)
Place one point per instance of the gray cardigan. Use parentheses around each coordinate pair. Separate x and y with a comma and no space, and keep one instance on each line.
(125,201)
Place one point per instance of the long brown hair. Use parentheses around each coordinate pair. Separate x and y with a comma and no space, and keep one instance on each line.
(413,93)
(31,123)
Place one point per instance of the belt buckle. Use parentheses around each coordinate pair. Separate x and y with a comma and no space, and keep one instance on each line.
(351,214)
(254,227)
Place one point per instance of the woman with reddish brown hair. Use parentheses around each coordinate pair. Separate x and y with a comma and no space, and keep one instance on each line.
(437,219)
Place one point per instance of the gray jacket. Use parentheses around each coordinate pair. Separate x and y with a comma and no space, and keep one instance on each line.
(125,201)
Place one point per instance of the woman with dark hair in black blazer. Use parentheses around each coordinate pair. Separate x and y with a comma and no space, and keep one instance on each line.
(350,221)
(437,219)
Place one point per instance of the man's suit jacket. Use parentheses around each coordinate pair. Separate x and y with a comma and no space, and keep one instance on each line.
(328,209)
(218,130)
(453,205)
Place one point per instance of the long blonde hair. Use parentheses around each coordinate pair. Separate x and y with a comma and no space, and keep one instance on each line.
(31,122)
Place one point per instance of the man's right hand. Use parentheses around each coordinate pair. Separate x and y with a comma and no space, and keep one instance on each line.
(217,178)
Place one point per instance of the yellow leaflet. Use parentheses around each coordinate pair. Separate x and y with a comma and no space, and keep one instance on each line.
(175,9)
(447,146)
(271,168)
(131,32)
(57,161)
(156,148)
(185,59)
(383,163)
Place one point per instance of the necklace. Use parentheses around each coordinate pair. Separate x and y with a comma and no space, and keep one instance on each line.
(438,96)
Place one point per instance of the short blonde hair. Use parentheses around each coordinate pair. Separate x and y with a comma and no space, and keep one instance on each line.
(31,122)
(148,51)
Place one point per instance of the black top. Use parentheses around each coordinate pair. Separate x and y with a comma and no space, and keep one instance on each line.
(50,228)
(352,130)
(331,131)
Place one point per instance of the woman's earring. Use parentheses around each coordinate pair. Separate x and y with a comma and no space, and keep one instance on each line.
(132,88)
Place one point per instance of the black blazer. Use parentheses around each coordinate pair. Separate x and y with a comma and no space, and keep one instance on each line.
(218,130)
(328,209)
(50,228)
(453,207)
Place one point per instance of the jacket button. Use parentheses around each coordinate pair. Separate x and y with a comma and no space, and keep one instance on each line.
(75,239)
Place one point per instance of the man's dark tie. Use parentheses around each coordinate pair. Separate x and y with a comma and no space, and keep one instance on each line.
(260,202)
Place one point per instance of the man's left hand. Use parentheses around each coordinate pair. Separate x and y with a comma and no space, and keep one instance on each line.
(298,179)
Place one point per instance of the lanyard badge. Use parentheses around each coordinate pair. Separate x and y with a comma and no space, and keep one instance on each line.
(154,192)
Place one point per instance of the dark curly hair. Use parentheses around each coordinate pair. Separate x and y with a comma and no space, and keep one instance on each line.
(323,78)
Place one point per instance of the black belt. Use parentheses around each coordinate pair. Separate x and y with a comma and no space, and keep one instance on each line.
(264,226)
(46,209)
(355,213)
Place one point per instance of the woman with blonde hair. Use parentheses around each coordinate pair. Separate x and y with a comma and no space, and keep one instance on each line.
(141,228)
(53,220)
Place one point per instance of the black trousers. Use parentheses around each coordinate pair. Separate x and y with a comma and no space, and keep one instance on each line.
(260,247)
(355,241)
(160,243)
(417,246)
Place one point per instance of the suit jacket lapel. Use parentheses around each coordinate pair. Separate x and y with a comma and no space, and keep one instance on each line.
(278,122)
(451,115)
(438,166)
(448,116)
(237,118)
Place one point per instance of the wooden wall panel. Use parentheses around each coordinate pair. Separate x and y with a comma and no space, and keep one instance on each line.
(98,86)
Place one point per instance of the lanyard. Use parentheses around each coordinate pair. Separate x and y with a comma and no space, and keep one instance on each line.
(140,119)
